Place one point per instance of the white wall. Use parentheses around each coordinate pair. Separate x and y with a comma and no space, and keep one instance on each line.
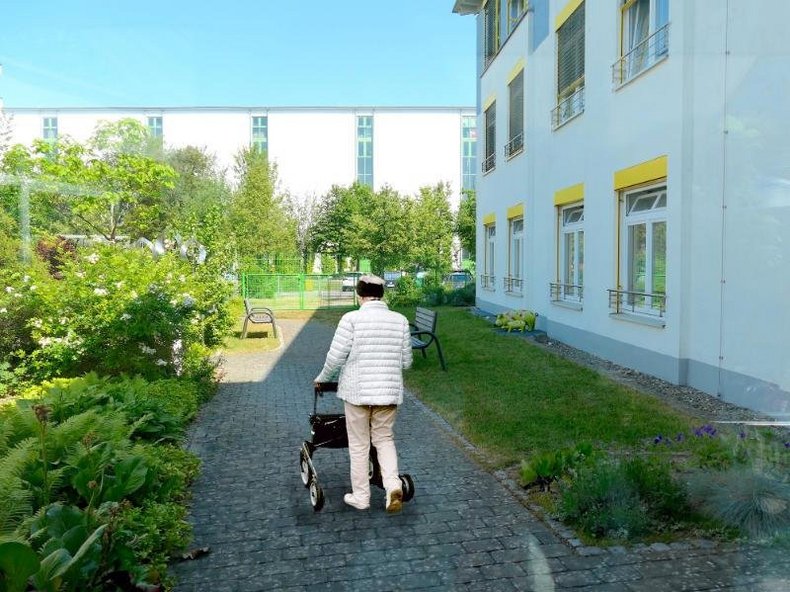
(314,148)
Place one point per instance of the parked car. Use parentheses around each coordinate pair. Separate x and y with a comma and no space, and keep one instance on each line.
(391,277)
(349,283)
(458,279)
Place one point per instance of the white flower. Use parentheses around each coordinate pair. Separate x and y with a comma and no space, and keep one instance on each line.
(188,301)
(18,295)
(33,287)
(126,316)
(9,289)
(26,279)
(100,291)
(3,310)
(36,323)
(92,258)
(63,320)
(80,274)
(182,278)
(45,341)
(161,362)
(133,294)
(147,350)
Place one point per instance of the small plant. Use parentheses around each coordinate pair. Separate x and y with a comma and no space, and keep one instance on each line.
(546,468)
(518,320)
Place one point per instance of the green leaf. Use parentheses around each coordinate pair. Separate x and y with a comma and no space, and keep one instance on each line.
(17,563)
(129,476)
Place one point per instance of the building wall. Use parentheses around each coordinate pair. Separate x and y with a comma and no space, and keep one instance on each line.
(715,109)
(313,148)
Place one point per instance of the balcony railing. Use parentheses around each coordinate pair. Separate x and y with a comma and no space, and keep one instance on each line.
(648,53)
(642,303)
(487,282)
(513,284)
(566,292)
(515,145)
(489,163)
(568,108)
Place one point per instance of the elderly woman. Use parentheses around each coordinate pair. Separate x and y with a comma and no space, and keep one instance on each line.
(370,350)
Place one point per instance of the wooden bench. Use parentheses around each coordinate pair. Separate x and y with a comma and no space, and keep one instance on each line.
(257,315)
(423,332)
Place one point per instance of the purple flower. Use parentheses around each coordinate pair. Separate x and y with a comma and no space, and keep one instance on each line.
(658,439)
(742,435)
(680,437)
(787,444)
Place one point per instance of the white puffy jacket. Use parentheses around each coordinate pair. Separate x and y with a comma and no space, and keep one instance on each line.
(371,347)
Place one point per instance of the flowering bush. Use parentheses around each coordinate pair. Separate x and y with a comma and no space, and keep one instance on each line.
(119,311)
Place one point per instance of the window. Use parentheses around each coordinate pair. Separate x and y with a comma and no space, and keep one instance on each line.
(516,122)
(514,281)
(515,9)
(260,133)
(644,37)
(644,249)
(571,254)
(50,128)
(570,68)
(365,150)
(468,151)
(155,127)
(490,30)
(490,160)
(487,279)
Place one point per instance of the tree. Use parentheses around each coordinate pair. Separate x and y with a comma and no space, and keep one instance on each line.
(465,222)
(332,230)
(258,219)
(432,229)
(97,188)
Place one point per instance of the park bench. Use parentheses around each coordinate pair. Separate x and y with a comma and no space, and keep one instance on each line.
(257,315)
(423,332)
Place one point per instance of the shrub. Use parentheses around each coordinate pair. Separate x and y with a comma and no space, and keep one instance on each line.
(519,320)
(462,296)
(405,293)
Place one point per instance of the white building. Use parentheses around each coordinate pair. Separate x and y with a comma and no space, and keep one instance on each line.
(314,148)
(635,186)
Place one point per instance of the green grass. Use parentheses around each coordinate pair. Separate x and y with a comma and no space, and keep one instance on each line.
(513,399)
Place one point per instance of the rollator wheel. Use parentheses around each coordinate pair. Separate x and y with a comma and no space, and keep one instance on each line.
(304,468)
(316,495)
(407,485)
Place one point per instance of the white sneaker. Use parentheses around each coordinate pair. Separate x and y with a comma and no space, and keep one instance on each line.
(394,501)
(355,503)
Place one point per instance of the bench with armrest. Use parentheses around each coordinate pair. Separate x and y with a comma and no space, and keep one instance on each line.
(257,315)
(423,332)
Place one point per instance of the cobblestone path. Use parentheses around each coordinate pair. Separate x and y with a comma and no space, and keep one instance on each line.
(462,531)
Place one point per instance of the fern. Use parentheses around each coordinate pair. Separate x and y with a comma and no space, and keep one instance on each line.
(15,497)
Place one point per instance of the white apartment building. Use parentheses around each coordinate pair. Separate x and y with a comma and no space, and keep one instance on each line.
(313,147)
(635,183)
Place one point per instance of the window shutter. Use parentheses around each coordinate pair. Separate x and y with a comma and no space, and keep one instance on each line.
(570,53)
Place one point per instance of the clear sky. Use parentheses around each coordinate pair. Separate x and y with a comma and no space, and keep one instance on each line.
(74,53)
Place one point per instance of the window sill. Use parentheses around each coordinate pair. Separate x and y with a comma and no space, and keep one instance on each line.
(513,154)
(486,289)
(641,73)
(569,304)
(489,171)
(638,319)
(514,293)
(567,121)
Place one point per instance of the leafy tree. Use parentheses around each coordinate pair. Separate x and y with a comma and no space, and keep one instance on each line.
(258,218)
(431,229)
(332,230)
(465,222)
(98,188)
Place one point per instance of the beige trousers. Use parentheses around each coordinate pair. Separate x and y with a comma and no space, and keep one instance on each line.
(366,424)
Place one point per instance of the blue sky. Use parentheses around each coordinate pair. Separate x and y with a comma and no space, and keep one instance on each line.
(58,53)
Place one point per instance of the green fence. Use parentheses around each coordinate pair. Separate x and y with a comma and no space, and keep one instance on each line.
(298,291)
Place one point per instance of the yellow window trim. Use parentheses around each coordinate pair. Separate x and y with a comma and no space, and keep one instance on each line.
(569,195)
(488,102)
(515,71)
(644,172)
(516,211)
(566,12)
(489,219)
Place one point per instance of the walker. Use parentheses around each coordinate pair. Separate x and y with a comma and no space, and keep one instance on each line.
(328,430)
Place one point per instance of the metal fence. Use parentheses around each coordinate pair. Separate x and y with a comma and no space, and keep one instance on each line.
(298,291)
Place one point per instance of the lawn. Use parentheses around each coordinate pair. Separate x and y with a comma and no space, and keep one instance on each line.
(513,398)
